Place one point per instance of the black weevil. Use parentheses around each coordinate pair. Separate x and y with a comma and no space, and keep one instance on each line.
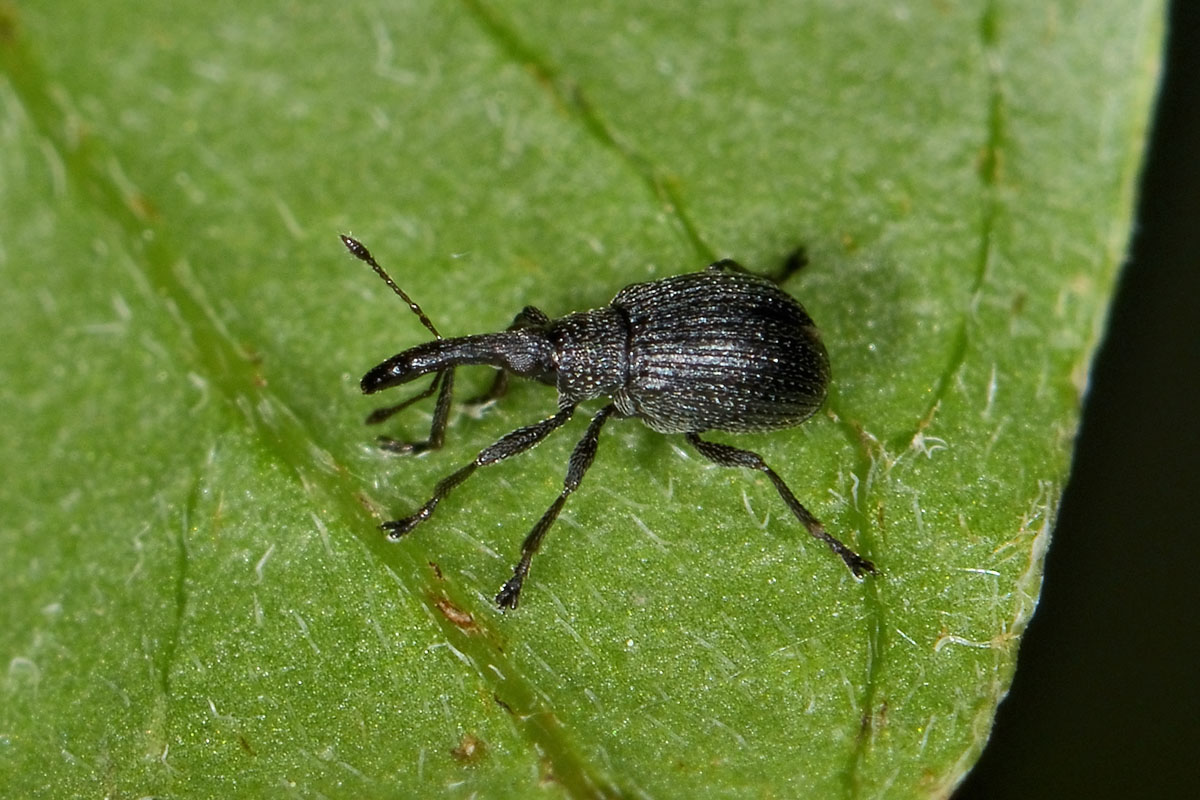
(722,349)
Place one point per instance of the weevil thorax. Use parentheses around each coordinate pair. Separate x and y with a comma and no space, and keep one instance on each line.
(591,354)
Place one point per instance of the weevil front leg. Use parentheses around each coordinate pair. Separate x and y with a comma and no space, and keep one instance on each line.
(441,415)
(385,413)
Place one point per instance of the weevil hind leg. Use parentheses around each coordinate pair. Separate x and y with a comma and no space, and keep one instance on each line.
(795,261)
(726,265)
(728,456)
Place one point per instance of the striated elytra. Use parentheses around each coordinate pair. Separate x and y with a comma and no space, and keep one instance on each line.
(723,349)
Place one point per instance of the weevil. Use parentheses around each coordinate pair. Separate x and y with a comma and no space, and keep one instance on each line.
(723,349)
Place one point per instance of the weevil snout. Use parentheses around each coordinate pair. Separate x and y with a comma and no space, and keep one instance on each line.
(393,372)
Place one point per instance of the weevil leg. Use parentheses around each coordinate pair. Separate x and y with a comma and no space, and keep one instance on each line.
(441,415)
(796,260)
(726,265)
(581,459)
(528,317)
(728,456)
(498,389)
(506,446)
(387,412)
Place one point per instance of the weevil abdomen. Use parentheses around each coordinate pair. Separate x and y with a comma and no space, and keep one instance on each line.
(723,351)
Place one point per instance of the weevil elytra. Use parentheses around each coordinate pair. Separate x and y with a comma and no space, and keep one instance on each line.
(722,349)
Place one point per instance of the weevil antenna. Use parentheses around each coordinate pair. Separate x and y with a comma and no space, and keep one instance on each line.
(359,251)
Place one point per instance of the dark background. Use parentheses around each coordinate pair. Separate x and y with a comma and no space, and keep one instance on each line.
(1106,700)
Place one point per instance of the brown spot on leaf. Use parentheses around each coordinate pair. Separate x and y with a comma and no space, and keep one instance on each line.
(8,22)
(469,750)
(462,619)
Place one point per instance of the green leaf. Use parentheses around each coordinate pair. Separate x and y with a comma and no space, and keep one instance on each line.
(197,600)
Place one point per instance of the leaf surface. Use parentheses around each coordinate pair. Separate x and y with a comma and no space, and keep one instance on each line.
(197,599)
